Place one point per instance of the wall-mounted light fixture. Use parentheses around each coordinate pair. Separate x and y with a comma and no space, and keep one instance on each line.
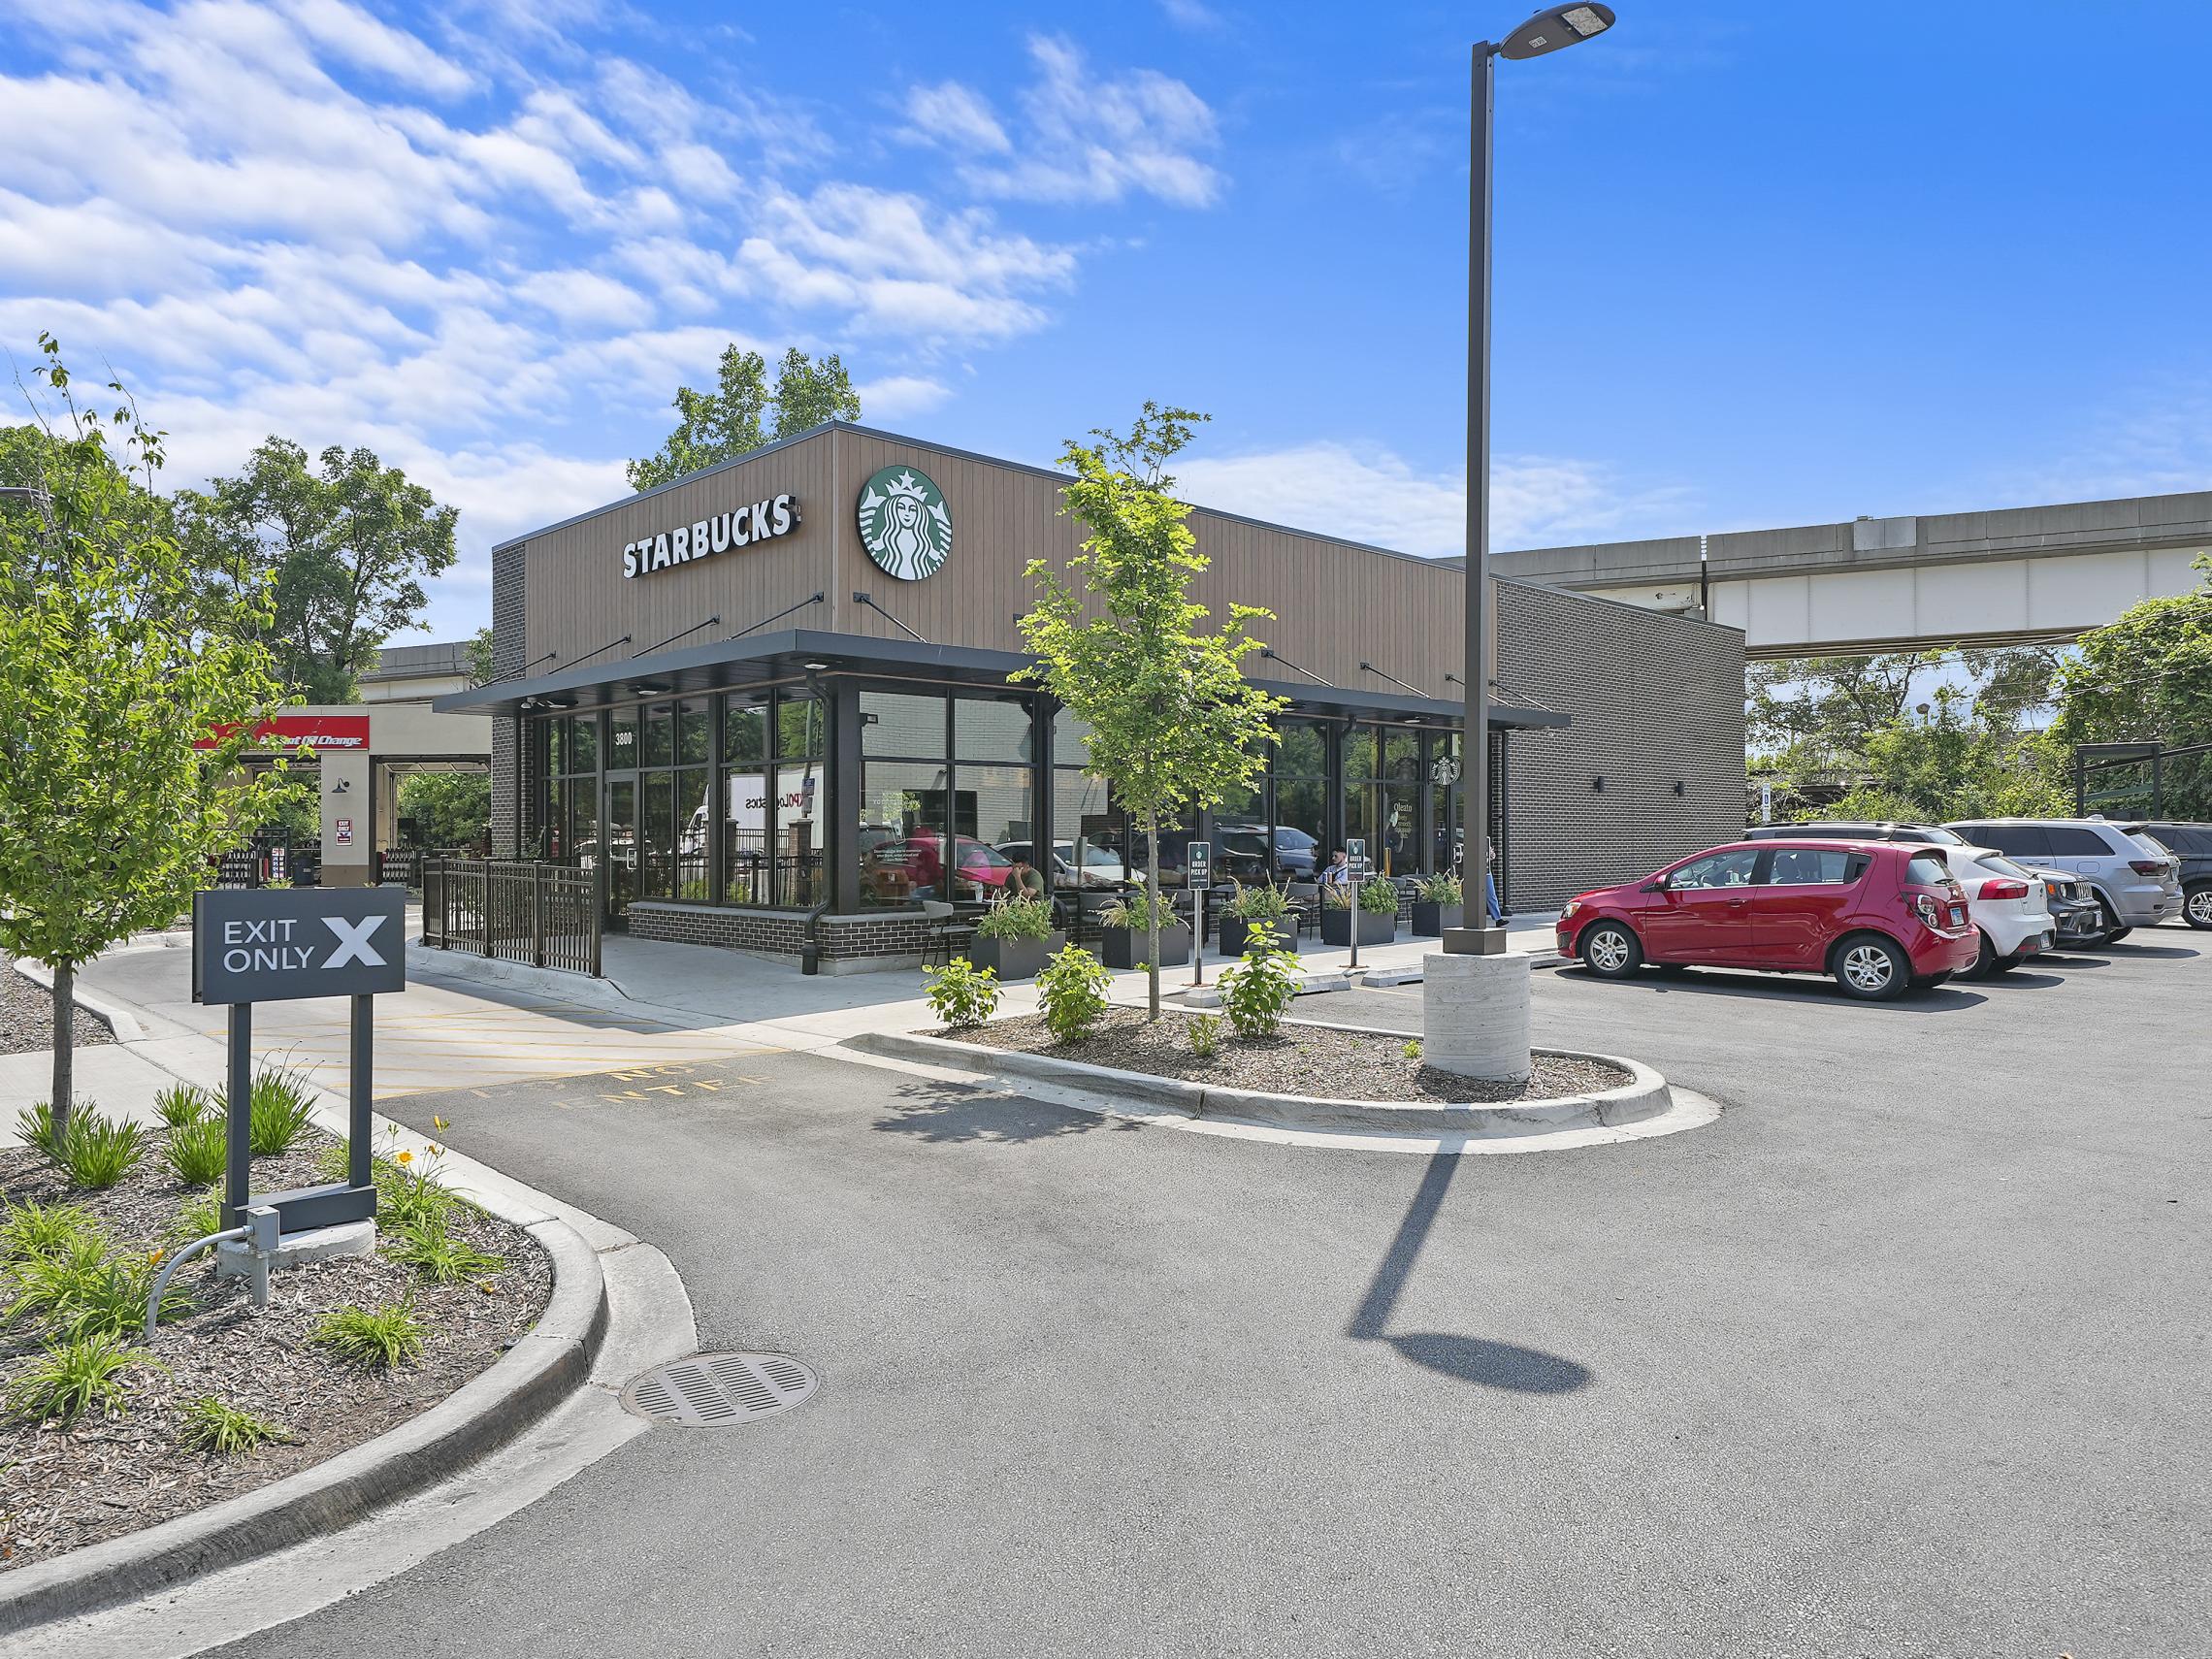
(1598,785)
(1679,786)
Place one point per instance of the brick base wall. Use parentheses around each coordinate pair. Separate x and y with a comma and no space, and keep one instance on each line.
(850,944)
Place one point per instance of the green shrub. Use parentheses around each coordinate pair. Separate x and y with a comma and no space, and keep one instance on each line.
(33,1231)
(1071,994)
(1205,1035)
(88,1288)
(425,1245)
(197,1150)
(1378,896)
(183,1103)
(1016,919)
(1134,911)
(1443,890)
(1259,989)
(196,1218)
(407,1188)
(1261,903)
(1412,1046)
(98,1152)
(961,993)
(72,1376)
(283,1110)
(220,1429)
(378,1337)
(35,1125)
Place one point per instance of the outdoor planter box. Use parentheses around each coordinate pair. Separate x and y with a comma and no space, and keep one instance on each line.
(1431,920)
(1014,958)
(1238,934)
(1375,929)
(1132,947)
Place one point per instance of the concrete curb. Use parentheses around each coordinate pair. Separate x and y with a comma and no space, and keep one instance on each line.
(1644,1095)
(113,1014)
(544,1369)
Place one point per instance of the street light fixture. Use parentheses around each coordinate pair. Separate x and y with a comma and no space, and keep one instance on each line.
(1550,30)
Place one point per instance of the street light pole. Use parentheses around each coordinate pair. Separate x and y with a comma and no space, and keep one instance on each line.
(1478,936)
(1547,31)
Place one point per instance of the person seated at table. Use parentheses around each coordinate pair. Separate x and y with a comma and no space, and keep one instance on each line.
(1026,879)
(1338,873)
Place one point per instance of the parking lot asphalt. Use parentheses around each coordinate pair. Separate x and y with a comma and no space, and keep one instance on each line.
(1904,1355)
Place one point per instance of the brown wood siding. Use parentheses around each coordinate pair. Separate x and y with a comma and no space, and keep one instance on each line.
(1335,604)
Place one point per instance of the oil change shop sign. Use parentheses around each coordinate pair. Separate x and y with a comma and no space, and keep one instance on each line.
(279,944)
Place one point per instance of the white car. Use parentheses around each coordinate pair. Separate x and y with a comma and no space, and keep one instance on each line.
(2009,907)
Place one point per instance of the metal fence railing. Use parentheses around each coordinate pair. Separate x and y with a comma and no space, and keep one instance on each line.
(547,915)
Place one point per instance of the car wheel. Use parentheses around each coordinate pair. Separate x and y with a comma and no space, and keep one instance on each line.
(1610,951)
(2196,906)
(2113,931)
(1984,964)
(1872,968)
(2117,934)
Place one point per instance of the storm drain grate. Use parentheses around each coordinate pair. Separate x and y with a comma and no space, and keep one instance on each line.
(719,1390)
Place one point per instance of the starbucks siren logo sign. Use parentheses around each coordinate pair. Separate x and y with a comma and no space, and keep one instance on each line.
(903,523)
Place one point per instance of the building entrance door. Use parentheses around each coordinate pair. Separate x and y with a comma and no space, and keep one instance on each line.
(621,843)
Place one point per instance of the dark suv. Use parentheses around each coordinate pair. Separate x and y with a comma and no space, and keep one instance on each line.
(2192,844)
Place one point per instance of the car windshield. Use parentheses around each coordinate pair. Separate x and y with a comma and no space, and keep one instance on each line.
(1939,837)
(1295,840)
(1928,869)
(1098,858)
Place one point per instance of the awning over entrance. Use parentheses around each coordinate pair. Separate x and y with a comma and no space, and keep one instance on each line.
(793,653)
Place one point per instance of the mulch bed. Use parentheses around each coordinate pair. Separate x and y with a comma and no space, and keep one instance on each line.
(61,1489)
(26,1016)
(1318,1061)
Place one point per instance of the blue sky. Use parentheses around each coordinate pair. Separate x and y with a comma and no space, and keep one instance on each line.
(1757,264)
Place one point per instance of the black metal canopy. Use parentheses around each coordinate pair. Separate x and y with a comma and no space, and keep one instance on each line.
(723,664)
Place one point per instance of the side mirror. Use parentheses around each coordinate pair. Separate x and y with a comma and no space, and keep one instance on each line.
(1657,885)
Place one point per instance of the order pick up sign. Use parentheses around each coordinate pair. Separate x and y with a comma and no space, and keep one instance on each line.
(275,944)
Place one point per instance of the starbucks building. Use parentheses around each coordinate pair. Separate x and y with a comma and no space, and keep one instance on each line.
(770,702)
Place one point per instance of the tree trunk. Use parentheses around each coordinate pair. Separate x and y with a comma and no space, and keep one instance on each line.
(64,1031)
(1152,910)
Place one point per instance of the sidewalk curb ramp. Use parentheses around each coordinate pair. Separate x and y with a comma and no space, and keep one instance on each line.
(1644,1095)
(547,1366)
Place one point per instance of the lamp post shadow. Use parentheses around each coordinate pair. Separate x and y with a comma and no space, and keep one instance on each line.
(1469,1359)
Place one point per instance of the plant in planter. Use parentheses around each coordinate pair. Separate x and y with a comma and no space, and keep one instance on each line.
(1015,937)
(1128,923)
(1441,904)
(1378,912)
(1071,994)
(1257,915)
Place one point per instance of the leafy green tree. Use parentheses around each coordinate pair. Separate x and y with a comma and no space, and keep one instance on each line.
(1174,724)
(109,673)
(343,547)
(450,809)
(480,669)
(735,417)
(2146,678)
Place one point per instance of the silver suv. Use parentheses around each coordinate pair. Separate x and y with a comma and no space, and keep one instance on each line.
(2135,881)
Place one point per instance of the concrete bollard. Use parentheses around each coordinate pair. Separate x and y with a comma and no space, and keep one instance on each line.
(1475,1016)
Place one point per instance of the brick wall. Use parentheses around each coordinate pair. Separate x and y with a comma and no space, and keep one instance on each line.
(850,944)
(1655,701)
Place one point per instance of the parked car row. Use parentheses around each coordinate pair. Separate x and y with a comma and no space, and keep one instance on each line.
(1885,908)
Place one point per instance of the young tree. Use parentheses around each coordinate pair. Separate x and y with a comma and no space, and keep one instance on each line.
(1174,725)
(725,423)
(108,675)
(342,549)
(451,809)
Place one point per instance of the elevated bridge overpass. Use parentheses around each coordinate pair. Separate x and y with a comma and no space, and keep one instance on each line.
(2018,576)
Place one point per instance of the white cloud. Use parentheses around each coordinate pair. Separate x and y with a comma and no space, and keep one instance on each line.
(954,116)
(898,396)
(1370,493)
(585,297)
(355,36)
(1085,137)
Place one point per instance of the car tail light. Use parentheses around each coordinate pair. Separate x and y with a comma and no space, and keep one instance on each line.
(2147,866)
(2004,890)
(1925,908)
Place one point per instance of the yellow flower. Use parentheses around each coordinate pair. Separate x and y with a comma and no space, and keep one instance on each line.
(406,1157)
(440,1124)
(435,1150)
(156,1258)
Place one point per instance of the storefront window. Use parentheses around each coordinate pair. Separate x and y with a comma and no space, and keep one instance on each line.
(692,732)
(903,807)
(694,809)
(660,746)
(898,723)
(987,731)
(657,837)
(992,807)
(745,730)
(622,740)
(582,746)
(801,725)
(1301,799)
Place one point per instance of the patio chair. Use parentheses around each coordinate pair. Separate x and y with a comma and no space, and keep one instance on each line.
(946,931)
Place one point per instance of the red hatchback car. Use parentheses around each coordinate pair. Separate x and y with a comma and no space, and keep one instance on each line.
(1881,915)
